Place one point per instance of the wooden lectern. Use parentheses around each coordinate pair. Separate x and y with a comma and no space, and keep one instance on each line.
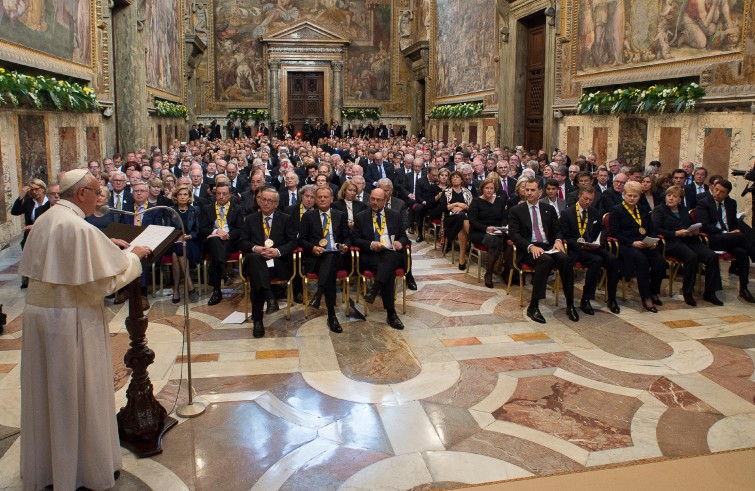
(143,421)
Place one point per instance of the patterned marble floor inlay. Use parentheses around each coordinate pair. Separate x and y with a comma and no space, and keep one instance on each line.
(470,392)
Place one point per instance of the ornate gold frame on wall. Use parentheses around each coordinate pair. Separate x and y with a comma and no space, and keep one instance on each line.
(649,70)
(22,55)
(153,92)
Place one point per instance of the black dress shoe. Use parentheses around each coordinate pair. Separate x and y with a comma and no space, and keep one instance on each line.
(258,330)
(746,295)
(462,267)
(394,321)
(272,306)
(419,239)
(116,475)
(689,300)
(651,308)
(369,297)
(176,298)
(572,313)
(24,282)
(333,324)
(216,297)
(535,315)
(656,300)
(585,306)
(298,298)
(411,283)
(613,306)
(354,311)
(712,298)
(489,280)
(315,302)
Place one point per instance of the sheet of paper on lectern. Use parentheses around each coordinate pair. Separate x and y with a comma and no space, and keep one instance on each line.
(151,237)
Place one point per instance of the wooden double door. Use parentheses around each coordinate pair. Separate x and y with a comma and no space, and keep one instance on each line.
(306,98)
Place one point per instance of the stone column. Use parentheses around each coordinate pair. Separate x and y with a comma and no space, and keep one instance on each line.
(336,105)
(275,90)
(130,78)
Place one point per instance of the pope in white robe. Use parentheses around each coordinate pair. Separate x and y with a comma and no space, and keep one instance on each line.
(69,436)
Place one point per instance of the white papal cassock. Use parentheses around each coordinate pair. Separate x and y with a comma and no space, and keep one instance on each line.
(68,430)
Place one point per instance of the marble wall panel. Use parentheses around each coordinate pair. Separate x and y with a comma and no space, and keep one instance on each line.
(600,143)
(32,148)
(717,150)
(473,133)
(94,150)
(669,148)
(572,142)
(444,134)
(633,136)
(69,152)
(3,211)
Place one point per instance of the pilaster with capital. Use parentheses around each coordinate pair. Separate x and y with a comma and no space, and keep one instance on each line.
(336,68)
(275,90)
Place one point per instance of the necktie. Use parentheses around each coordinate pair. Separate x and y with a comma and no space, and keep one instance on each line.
(560,193)
(382,171)
(138,217)
(196,192)
(700,189)
(267,224)
(721,217)
(536,225)
(414,188)
(505,185)
(325,230)
(379,221)
(293,199)
(584,215)
(117,201)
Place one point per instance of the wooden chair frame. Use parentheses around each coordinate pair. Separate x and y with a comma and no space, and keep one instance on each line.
(362,279)
(289,282)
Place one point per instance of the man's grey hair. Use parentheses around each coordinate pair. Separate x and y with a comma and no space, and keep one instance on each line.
(385,182)
(309,188)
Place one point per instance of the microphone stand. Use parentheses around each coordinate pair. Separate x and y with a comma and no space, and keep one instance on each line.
(193,408)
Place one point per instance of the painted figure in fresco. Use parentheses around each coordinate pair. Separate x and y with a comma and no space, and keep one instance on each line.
(276,15)
(334,11)
(405,29)
(608,18)
(30,13)
(703,21)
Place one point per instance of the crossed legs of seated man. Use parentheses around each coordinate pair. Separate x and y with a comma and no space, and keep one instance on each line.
(218,250)
(595,261)
(737,245)
(384,265)
(543,266)
(255,268)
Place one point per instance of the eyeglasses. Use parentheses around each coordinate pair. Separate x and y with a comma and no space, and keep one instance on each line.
(117,180)
(267,200)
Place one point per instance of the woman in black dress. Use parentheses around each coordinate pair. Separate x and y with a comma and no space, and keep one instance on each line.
(190,217)
(672,220)
(348,203)
(98,219)
(486,212)
(630,223)
(455,202)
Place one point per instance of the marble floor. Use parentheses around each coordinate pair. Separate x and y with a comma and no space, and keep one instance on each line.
(470,392)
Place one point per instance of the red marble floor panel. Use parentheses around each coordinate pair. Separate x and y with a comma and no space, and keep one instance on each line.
(589,370)
(681,432)
(452,424)
(613,335)
(528,455)
(208,452)
(732,369)
(589,418)
(198,327)
(330,469)
(225,308)
(452,297)
(474,384)
(468,320)
(10,344)
(521,362)
(7,367)
(14,325)
(675,396)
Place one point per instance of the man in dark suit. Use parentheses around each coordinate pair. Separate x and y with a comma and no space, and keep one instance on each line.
(377,170)
(718,215)
(397,205)
(289,194)
(697,189)
(297,212)
(239,183)
(372,233)
(220,228)
(612,197)
(199,189)
(580,226)
(120,197)
(324,238)
(268,240)
(534,229)
(193,133)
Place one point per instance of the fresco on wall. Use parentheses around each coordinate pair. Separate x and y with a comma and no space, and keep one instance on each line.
(163,39)
(238,25)
(622,33)
(60,28)
(465,47)
(32,146)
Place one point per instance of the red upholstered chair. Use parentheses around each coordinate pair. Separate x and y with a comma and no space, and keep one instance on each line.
(364,276)
(525,268)
(437,225)
(342,275)
(158,269)
(481,252)
(288,282)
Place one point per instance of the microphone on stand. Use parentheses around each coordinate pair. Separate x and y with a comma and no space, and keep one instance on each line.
(192,408)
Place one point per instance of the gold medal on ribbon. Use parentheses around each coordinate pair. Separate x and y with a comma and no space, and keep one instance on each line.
(269,243)
(636,217)
(323,242)
(384,241)
(642,231)
(581,240)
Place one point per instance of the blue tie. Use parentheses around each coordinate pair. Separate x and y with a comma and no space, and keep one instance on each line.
(328,246)
(380,225)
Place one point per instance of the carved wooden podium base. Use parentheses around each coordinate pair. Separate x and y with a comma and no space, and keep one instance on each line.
(143,421)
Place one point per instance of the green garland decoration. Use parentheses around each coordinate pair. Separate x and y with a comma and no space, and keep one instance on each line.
(167,109)
(255,115)
(655,98)
(360,113)
(39,90)
(462,110)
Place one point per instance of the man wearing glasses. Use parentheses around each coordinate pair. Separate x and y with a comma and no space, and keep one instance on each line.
(120,198)
(612,197)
